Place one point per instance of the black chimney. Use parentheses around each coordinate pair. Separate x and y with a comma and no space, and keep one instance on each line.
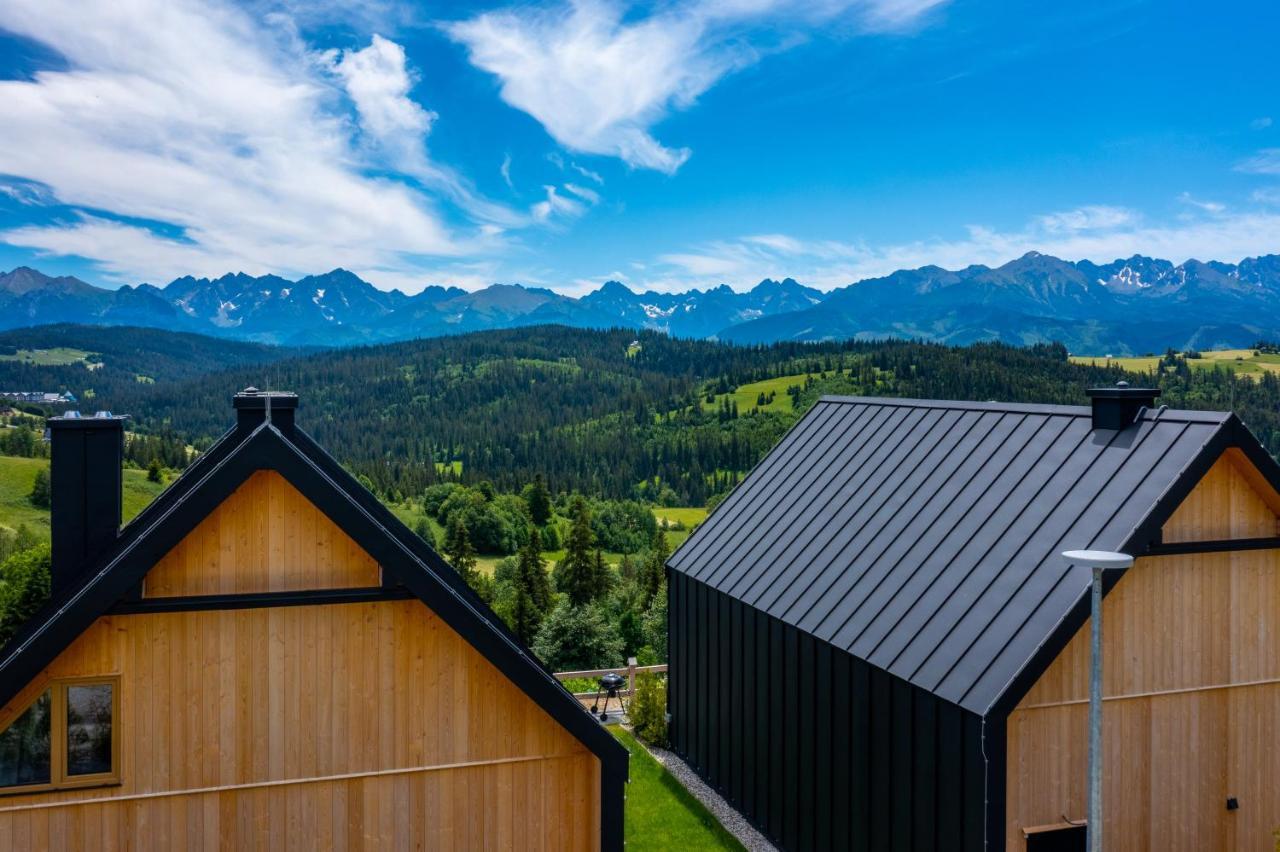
(1116,407)
(253,405)
(84,485)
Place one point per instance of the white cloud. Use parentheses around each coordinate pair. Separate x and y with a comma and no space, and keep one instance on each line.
(1090,218)
(1072,235)
(1207,206)
(588,195)
(378,81)
(598,75)
(1265,162)
(556,204)
(505,170)
(1261,123)
(230,137)
(1267,195)
(587,173)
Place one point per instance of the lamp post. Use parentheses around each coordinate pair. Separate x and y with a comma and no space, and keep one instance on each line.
(1099,561)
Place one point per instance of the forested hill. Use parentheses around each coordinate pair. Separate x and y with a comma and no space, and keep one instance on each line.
(617,414)
(116,364)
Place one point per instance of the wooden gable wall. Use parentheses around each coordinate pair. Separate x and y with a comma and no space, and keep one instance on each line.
(1191,689)
(266,537)
(358,725)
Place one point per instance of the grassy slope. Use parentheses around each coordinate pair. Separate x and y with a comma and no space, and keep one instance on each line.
(661,814)
(17,475)
(1241,361)
(55,357)
(747,395)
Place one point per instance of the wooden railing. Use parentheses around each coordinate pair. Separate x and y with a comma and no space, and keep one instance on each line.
(629,671)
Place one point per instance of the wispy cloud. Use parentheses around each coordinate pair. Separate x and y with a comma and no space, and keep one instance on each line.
(505,170)
(1091,218)
(1084,233)
(215,143)
(556,204)
(1261,123)
(1213,207)
(599,75)
(1265,162)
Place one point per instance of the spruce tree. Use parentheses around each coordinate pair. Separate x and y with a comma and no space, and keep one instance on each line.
(576,575)
(653,571)
(539,501)
(532,589)
(462,556)
(40,492)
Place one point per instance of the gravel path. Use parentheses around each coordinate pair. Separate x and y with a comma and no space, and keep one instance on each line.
(733,821)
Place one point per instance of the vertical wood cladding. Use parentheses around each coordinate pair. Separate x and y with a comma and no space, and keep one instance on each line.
(1191,688)
(272,727)
(265,537)
(816,748)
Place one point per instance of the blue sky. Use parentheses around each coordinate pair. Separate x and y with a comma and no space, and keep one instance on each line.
(667,145)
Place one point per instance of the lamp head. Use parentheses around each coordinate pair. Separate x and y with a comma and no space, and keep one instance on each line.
(1105,559)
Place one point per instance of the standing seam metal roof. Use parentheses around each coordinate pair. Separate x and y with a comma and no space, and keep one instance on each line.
(924,536)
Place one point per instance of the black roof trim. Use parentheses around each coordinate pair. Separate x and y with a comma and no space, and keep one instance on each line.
(210,481)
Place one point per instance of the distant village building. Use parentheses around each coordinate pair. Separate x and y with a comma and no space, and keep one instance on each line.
(39,397)
(266,658)
(876,644)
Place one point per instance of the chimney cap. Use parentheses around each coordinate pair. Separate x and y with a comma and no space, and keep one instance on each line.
(75,420)
(1121,390)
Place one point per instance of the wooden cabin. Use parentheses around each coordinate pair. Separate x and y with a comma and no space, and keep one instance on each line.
(875,643)
(266,658)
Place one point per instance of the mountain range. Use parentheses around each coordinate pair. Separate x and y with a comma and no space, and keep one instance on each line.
(1128,306)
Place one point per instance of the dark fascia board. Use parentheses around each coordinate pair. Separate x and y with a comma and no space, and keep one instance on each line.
(212,482)
(1144,540)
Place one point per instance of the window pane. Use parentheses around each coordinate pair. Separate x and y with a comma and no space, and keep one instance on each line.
(24,746)
(88,729)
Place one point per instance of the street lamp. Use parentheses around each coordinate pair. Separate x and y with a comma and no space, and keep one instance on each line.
(1099,561)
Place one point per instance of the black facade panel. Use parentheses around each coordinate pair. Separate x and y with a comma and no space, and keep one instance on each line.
(859,728)
(725,709)
(760,622)
(792,750)
(879,758)
(924,775)
(824,701)
(736,739)
(818,749)
(807,759)
(777,731)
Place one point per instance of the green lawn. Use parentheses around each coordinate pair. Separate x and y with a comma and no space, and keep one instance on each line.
(17,475)
(690,516)
(661,814)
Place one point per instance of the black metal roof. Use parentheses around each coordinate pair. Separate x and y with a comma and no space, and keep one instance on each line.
(924,536)
(280,446)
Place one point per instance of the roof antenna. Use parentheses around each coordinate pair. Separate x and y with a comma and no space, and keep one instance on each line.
(267,385)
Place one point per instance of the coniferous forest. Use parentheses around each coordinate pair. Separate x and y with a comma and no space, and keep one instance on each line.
(617,414)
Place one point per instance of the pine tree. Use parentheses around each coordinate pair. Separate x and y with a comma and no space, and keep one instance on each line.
(462,556)
(654,571)
(575,574)
(40,493)
(532,590)
(603,579)
(154,473)
(539,501)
